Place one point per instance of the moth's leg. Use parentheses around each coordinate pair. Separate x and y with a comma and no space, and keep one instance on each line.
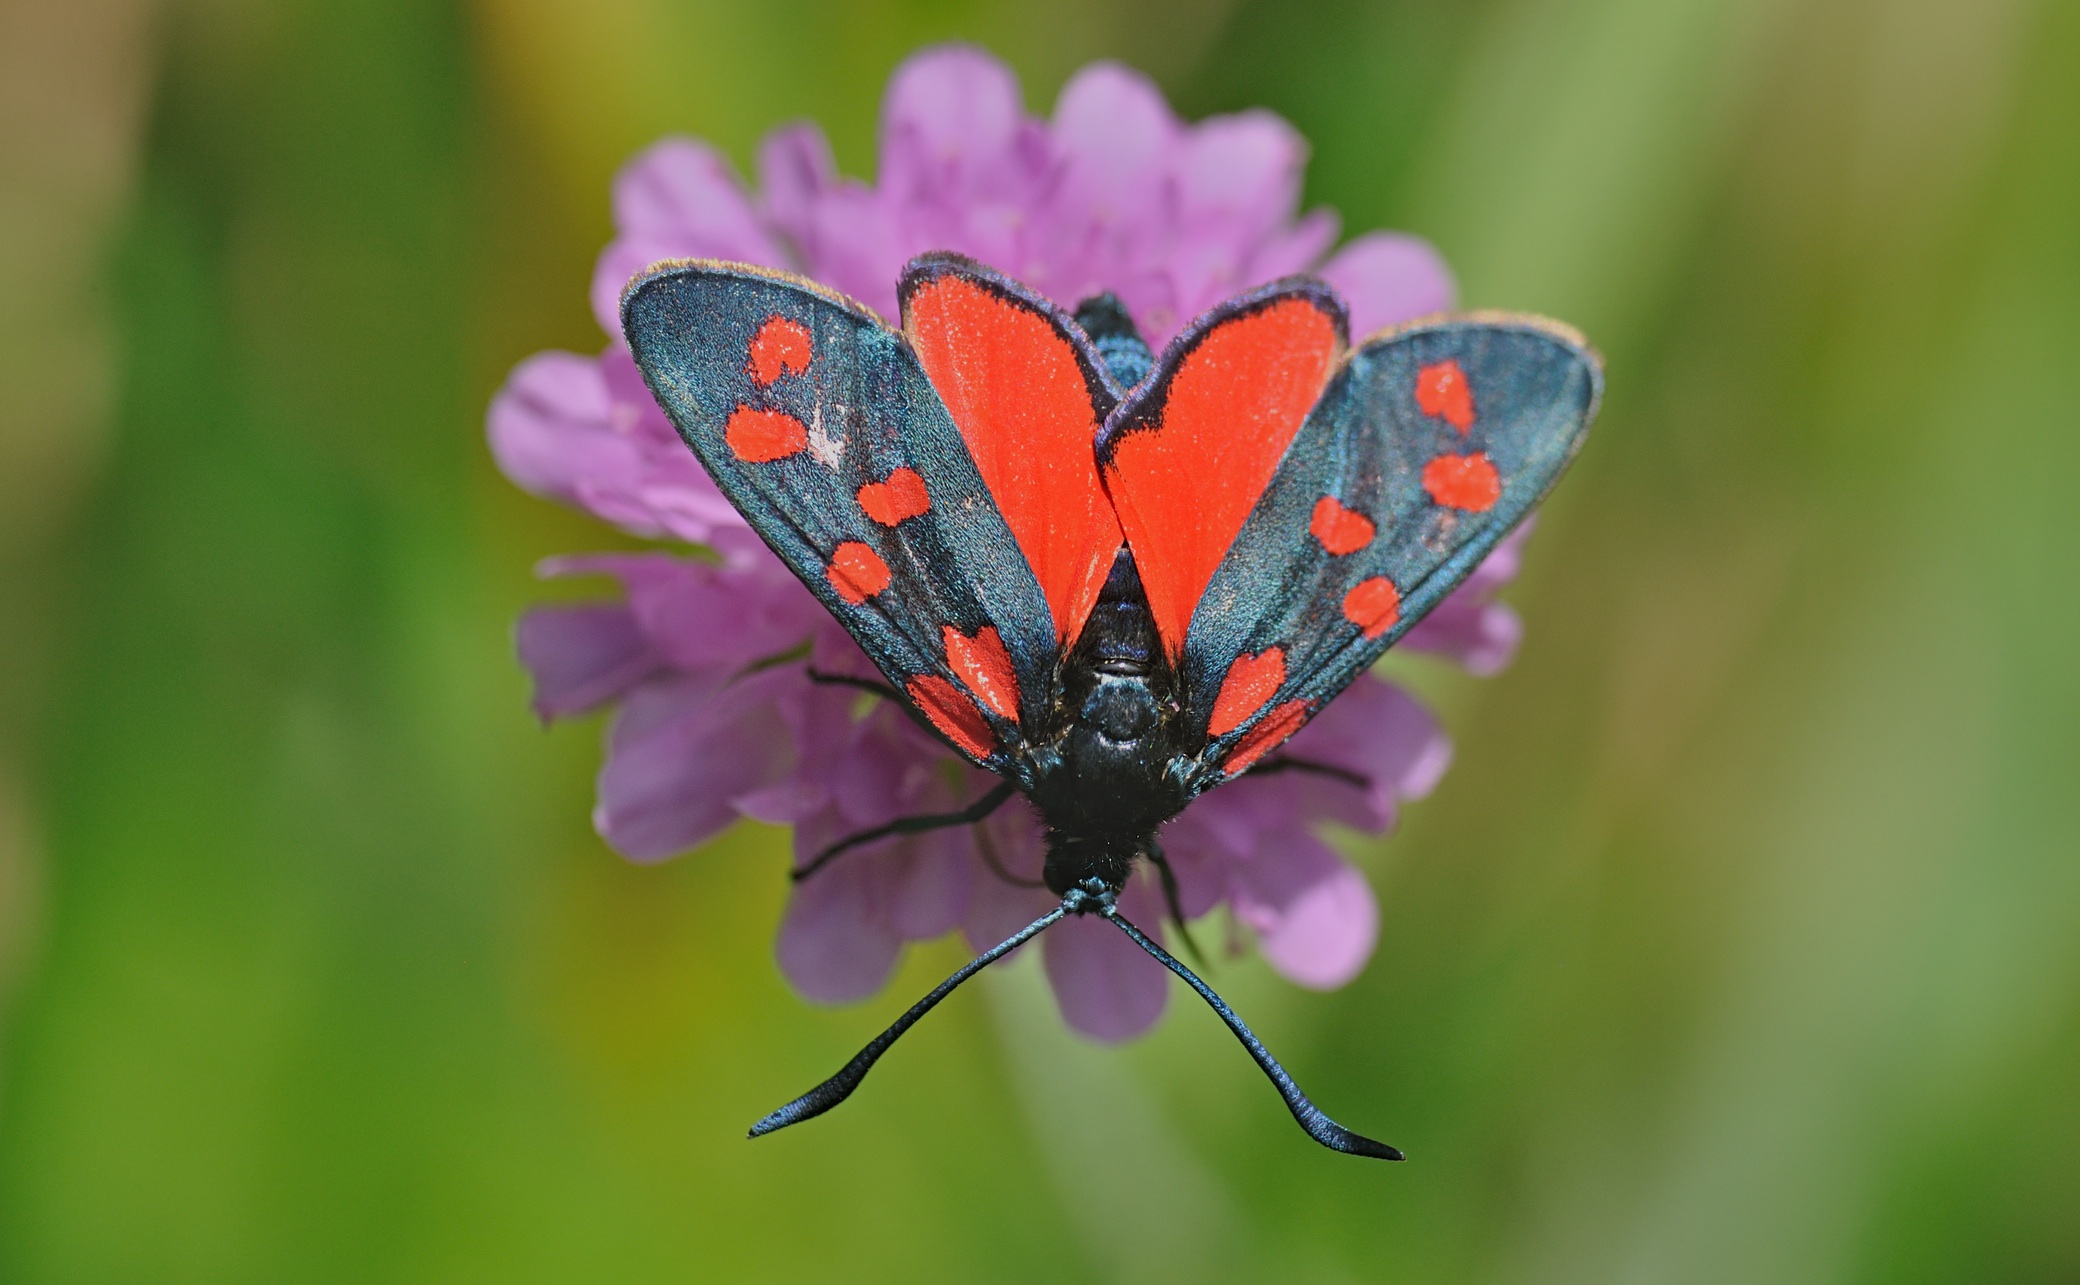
(969,815)
(883,690)
(1287,763)
(988,848)
(1171,898)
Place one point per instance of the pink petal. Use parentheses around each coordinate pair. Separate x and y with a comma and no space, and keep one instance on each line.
(1230,821)
(618,263)
(585,431)
(833,651)
(997,909)
(704,614)
(821,722)
(891,772)
(1115,135)
(783,804)
(667,491)
(992,231)
(1158,308)
(912,887)
(696,615)
(551,424)
(680,751)
(1106,987)
(678,199)
(1378,731)
(1204,269)
(1240,172)
(1502,563)
(1292,250)
(1315,917)
(1203,844)
(1482,637)
(1387,278)
(1107,222)
(833,947)
(1466,627)
(928,878)
(951,118)
(582,657)
(683,188)
(795,169)
(855,247)
(636,412)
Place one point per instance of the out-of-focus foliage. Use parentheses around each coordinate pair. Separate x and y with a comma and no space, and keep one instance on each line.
(1741,944)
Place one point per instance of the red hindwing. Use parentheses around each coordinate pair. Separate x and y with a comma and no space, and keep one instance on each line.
(1187,462)
(1020,395)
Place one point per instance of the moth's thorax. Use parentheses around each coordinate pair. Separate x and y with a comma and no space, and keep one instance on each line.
(1109,770)
(1108,767)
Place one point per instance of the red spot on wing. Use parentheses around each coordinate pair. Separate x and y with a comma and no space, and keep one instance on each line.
(901,496)
(1441,389)
(1018,396)
(856,572)
(1466,482)
(1373,605)
(762,436)
(1251,681)
(952,713)
(781,347)
(1185,481)
(982,663)
(1339,529)
(1266,736)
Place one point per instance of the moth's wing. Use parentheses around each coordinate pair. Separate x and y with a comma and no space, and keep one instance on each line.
(1426,447)
(1028,393)
(1188,457)
(822,427)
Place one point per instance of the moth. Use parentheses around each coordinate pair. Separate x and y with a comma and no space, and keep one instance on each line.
(1115,578)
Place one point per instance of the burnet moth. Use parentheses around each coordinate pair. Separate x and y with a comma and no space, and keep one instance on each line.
(1115,579)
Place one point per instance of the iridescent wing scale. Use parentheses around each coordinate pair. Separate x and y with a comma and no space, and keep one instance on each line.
(1408,460)
(826,430)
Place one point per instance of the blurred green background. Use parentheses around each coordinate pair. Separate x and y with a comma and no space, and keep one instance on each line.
(1741,943)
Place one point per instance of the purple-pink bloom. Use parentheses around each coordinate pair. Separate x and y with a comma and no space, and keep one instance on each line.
(704,659)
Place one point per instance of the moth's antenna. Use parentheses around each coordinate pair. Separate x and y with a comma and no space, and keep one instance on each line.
(840,1086)
(1319,1126)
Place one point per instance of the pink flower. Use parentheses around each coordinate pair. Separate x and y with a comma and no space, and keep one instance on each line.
(703,659)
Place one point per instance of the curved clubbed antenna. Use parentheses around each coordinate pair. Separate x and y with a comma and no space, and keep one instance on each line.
(840,1086)
(1079,901)
(1311,1117)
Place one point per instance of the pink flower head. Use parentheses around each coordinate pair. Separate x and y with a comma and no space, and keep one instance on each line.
(705,660)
